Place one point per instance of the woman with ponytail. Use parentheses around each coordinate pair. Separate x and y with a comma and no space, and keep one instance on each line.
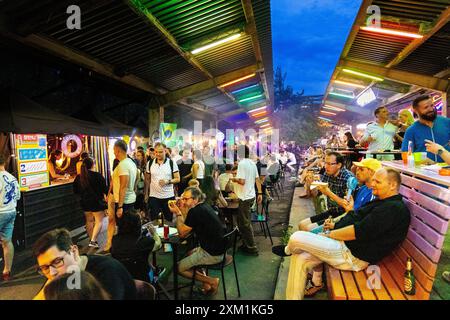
(92,189)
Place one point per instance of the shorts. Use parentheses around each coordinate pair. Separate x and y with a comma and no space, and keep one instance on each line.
(7,225)
(198,257)
(156,205)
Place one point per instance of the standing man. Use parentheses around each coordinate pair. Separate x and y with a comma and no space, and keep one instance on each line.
(124,182)
(162,174)
(380,134)
(247,176)
(9,194)
(429,127)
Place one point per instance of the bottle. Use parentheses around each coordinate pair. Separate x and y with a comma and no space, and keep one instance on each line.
(410,280)
(410,155)
(160,219)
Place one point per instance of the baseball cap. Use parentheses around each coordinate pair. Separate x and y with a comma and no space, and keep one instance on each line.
(370,163)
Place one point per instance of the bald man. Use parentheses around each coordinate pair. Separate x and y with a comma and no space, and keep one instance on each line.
(360,238)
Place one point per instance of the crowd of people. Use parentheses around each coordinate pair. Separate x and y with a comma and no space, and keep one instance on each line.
(187,188)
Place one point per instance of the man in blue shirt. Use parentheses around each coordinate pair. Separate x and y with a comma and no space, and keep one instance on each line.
(430,126)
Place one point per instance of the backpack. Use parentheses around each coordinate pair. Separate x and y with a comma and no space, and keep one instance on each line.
(170,163)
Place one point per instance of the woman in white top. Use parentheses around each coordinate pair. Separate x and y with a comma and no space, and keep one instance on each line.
(198,168)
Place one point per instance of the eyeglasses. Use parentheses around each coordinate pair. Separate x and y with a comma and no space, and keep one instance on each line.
(56,263)
(330,164)
(186,199)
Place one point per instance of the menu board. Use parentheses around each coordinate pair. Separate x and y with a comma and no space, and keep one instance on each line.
(31,151)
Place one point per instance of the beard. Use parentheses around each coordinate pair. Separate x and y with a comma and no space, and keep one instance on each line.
(429,116)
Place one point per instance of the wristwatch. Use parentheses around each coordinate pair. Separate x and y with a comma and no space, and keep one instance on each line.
(440,152)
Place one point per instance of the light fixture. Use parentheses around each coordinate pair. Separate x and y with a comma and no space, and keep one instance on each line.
(259,114)
(328,113)
(246,88)
(393,32)
(351,84)
(333,108)
(365,75)
(237,80)
(344,90)
(325,119)
(257,109)
(367,97)
(216,43)
(262,120)
(341,95)
(265,126)
(251,98)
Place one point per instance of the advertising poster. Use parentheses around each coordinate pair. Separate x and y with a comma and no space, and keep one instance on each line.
(31,150)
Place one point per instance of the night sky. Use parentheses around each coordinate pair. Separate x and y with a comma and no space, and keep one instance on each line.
(308,38)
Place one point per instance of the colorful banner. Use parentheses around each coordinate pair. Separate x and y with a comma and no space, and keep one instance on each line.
(167,132)
(32,161)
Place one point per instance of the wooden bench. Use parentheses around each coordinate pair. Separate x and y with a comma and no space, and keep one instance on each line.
(429,205)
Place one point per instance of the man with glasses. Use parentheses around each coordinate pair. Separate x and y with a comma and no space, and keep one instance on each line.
(56,255)
(194,215)
(336,175)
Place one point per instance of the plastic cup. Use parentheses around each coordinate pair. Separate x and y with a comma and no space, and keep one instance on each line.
(405,157)
(424,156)
(417,158)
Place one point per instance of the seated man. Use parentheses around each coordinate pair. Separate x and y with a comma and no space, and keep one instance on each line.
(363,195)
(360,238)
(201,219)
(57,255)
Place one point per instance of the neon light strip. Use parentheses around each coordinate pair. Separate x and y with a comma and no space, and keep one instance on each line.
(341,95)
(328,107)
(237,80)
(252,98)
(246,88)
(325,119)
(362,74)
(265,125)
(328,113)
(216,43)
(258,109)
(393,32)
(262,120)
(259,114)
(345,83)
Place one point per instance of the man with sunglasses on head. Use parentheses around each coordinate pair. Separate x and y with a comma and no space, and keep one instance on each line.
(56,255)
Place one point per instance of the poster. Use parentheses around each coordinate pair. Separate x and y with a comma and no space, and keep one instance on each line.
(31,150)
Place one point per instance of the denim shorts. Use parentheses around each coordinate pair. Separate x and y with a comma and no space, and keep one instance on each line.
(197,258)
(7,225)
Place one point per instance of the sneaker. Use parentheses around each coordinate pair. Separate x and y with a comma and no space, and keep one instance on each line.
(93,244)
(279,251)
(247,251)
(6,276)
(311,289)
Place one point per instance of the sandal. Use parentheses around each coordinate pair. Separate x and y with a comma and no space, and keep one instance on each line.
(312,289)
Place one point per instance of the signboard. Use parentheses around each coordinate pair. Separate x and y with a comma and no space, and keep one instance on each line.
(168,134)
(32,161)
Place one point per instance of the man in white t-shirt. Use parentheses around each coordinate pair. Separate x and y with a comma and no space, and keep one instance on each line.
(162,175)
(123,186)
(247,176)
(9,194)
(292,161)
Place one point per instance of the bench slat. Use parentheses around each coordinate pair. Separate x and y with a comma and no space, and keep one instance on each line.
(396,269)
(350,285)
(433,237)
(430,251)
(391,286)
(421,276)
(434,221)
(433,190)
(336,289)
(361,281)
(439,208)
(425,263)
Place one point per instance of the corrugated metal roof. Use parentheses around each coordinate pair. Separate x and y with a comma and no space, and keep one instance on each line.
(427,10)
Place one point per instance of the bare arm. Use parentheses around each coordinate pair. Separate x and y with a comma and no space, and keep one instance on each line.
(123,187)
(176,178)
(343,234)
(195,170)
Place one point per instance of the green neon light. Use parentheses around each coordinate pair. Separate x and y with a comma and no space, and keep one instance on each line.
(252,98)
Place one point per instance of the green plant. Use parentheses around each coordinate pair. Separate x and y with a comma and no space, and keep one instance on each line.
(286,235)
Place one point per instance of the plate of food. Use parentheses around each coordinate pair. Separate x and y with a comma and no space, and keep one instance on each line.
(319,183)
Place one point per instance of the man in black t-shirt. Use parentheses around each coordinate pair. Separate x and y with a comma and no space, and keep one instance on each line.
(201,219)
(57,255)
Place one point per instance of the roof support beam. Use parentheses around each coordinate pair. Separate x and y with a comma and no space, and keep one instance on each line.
(398,75)
(359,20)
(441,21)
(142,10)
(81,59)
(251,29)
(176,95)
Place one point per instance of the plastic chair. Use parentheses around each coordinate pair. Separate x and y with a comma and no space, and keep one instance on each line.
(230,241)
(144,290)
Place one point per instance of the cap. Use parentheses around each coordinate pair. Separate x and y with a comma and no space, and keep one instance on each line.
(370,163)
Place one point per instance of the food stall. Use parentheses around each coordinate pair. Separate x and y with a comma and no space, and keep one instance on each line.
(30,132)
